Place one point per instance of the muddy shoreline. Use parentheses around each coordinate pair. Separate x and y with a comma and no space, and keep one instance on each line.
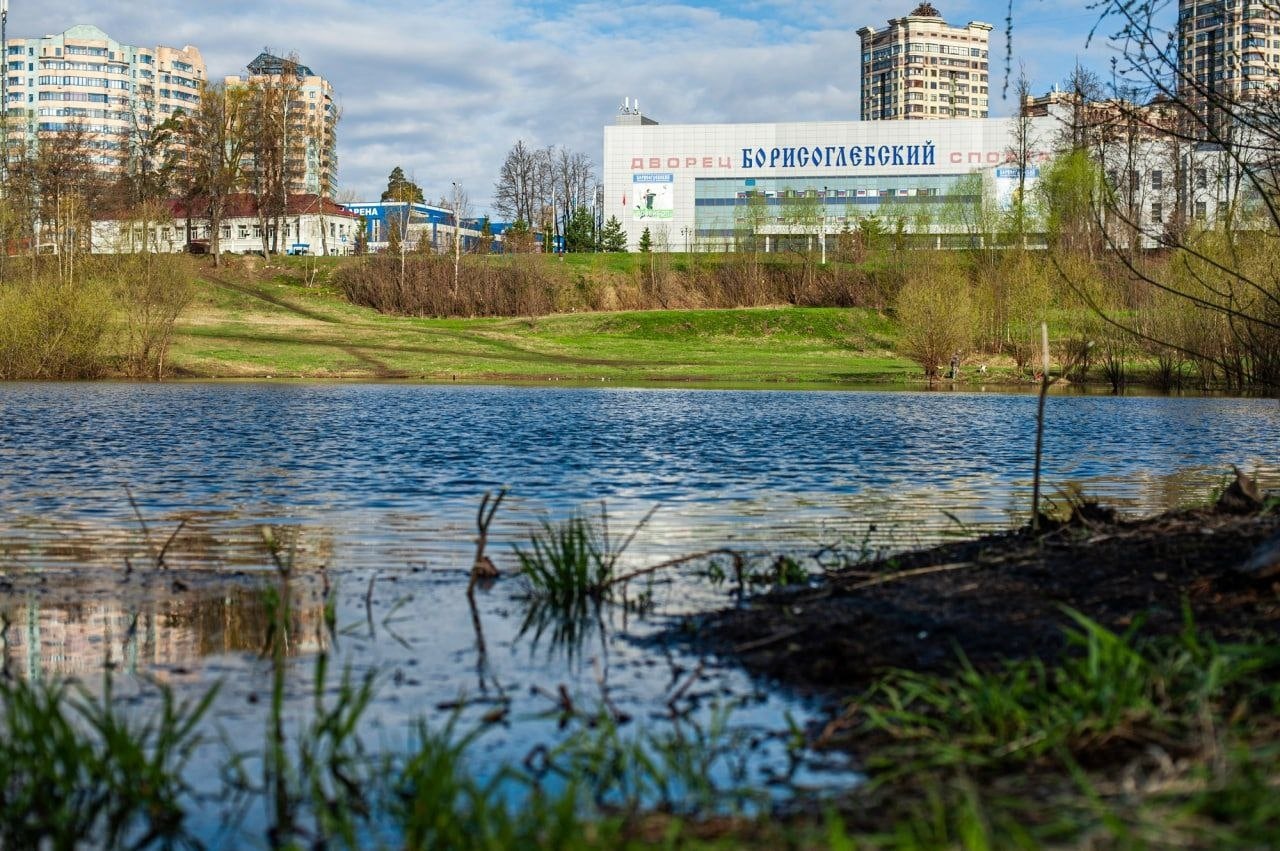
(1004,597)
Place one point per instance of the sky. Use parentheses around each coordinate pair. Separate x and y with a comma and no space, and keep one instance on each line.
(445,89)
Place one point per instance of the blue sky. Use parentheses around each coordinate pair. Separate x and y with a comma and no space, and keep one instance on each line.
(444,89)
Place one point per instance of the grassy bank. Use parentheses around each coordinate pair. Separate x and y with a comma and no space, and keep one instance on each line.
(249,321)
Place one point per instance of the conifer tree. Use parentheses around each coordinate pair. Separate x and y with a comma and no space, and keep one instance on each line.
(612,236)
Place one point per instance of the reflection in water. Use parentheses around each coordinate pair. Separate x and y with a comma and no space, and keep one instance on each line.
(381,484)
(166,636)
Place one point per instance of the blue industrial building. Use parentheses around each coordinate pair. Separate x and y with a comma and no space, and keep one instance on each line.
(414,220)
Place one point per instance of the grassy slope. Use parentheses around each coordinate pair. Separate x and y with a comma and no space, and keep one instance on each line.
(258,323)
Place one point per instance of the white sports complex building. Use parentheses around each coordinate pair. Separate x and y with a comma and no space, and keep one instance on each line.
(706,186)
(691,185)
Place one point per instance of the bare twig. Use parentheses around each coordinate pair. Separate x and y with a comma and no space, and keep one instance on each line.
(167,543)
(368,604)
(908,574)
(483,567)
(768,640)
(1044,392)
(654,568)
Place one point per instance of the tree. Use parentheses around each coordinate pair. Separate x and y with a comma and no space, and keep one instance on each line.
(613,237)
(544,186)
(518,239)
(580,234)
(935,313)
(402,189)
(1073,192)
(804,216)
(521,186)
(153,290)
(646,241)
(276,146)
(484,244)
(395,243)
(1023,143)
(149,158)
(460,205)
(1226,119)
(362,237)
(54,189)
(216,142)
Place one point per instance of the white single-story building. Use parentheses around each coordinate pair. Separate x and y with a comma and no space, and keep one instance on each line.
(311,225)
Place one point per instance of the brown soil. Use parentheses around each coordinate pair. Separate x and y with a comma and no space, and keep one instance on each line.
(1003,597)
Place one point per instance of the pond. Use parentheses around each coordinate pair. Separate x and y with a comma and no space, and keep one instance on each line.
(377,488)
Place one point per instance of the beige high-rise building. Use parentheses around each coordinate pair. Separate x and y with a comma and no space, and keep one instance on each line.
(312,125)
(83,78)
(921,67)
(1228,51)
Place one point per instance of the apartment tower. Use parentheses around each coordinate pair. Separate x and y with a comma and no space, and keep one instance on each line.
(1228,51)
(312,120)
(83,79)
(921,68)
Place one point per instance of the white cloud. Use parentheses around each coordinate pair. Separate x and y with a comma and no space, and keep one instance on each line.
(444,89)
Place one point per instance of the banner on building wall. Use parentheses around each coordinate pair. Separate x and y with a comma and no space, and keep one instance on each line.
(1007,178)
(652,196)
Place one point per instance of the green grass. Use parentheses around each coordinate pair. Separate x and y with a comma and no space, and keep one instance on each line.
(266,323)
(1124,743)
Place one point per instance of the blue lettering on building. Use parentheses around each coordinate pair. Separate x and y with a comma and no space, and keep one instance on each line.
(838,156)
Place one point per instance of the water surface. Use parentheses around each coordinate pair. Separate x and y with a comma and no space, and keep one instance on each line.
(380,484)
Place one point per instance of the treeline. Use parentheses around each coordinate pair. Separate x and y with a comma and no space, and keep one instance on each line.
(533,285)
(114,316)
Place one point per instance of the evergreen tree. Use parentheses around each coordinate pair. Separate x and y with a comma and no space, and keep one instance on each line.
(485,243)
(393,237)
(518,238)
(362,237)
(612,236)
(401,188)
(646,241)
(424,242)
(580,234)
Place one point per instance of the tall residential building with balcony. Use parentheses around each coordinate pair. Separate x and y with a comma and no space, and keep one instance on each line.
(83,78)
(922,68)
(312,120)
(1228,52)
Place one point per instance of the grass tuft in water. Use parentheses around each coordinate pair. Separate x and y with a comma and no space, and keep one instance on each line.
(76,769)
(572,562)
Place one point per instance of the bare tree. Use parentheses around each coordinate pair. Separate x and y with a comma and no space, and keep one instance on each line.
(62,184)
(276,138)
(517,191)
(461,207)
(216,143)
(1024,144)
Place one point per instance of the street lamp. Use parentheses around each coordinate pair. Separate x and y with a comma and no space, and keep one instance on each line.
(685,231)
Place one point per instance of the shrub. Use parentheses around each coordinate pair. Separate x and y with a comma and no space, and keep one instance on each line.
(936,314)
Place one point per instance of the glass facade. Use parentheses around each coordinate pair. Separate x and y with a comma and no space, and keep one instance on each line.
(724,206)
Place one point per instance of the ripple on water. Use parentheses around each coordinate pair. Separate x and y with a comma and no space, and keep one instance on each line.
(385,480)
